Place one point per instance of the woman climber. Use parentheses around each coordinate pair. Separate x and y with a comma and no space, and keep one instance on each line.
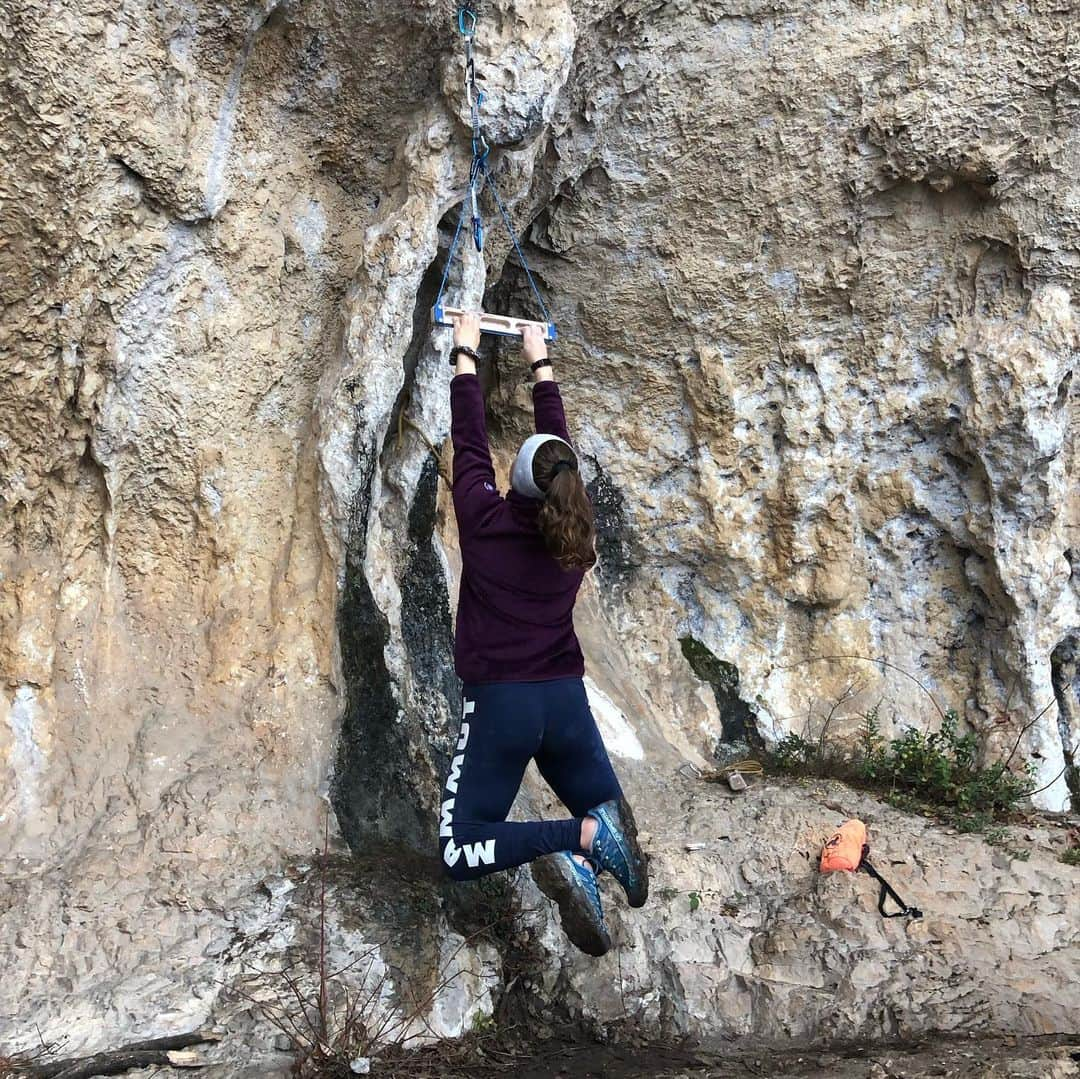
(515,650)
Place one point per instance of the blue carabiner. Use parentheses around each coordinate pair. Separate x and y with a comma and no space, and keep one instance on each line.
(478,234)
(466,20)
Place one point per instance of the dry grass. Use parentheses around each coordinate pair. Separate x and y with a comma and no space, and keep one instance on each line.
(337,1017)
(27,1061)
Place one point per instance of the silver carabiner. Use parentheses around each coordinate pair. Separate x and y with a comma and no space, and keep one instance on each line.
(470,72)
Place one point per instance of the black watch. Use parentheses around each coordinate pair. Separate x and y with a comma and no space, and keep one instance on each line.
(545,362)
(466,351)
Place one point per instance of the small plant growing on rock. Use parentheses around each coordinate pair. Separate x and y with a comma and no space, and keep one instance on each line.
(941,769)
(936,773)
(793,754)
(871,740)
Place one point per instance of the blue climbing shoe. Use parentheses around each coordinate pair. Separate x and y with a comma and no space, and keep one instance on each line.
(574,889)
(615,848)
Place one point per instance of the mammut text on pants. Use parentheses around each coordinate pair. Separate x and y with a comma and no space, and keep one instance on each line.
(483,851)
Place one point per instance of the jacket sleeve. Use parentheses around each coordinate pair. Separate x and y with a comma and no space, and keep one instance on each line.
(549,415)
(475,495)
(548,410)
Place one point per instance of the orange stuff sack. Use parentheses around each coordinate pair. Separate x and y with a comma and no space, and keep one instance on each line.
(846,848)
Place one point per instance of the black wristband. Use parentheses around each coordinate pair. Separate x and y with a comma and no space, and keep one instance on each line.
(466,351)
(534,367)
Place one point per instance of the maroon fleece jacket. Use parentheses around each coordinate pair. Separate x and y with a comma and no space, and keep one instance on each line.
(515,616)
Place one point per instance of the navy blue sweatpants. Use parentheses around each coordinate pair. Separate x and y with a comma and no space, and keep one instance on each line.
(504,725)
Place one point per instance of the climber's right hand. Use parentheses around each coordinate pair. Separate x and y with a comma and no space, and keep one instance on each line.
(533,345)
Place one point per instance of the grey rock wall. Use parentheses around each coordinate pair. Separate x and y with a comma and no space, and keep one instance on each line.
(815,273)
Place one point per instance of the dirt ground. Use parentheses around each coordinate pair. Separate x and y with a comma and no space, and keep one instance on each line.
(1052,1057)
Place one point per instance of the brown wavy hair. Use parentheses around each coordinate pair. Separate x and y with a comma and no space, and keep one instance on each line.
(566,516)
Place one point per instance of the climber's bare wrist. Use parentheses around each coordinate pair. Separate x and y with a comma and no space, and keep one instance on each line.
(464,365)
(544,374)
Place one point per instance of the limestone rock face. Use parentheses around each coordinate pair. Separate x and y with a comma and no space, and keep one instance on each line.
(745,935)
(815,274)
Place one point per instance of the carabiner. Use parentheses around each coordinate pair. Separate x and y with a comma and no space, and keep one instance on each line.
(466,20)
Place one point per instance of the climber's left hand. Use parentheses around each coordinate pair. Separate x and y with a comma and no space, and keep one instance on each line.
(467,330)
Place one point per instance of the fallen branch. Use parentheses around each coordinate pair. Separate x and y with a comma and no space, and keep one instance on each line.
(136,1055)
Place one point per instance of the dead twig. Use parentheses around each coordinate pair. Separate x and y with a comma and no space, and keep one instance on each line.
(1047,786)
(851,690)
(1027,727)
(23,1061)
(878,662)
(328,1028)
(403,422)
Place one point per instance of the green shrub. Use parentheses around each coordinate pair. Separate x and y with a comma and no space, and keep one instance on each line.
(941,769)
(936,773)
(793,754)
(1071,856)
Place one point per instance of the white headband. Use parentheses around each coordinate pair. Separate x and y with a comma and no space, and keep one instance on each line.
(521,475)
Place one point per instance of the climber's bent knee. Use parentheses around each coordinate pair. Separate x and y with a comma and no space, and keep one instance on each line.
(454,866)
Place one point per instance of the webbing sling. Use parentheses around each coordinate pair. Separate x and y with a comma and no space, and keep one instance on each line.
(888,892)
